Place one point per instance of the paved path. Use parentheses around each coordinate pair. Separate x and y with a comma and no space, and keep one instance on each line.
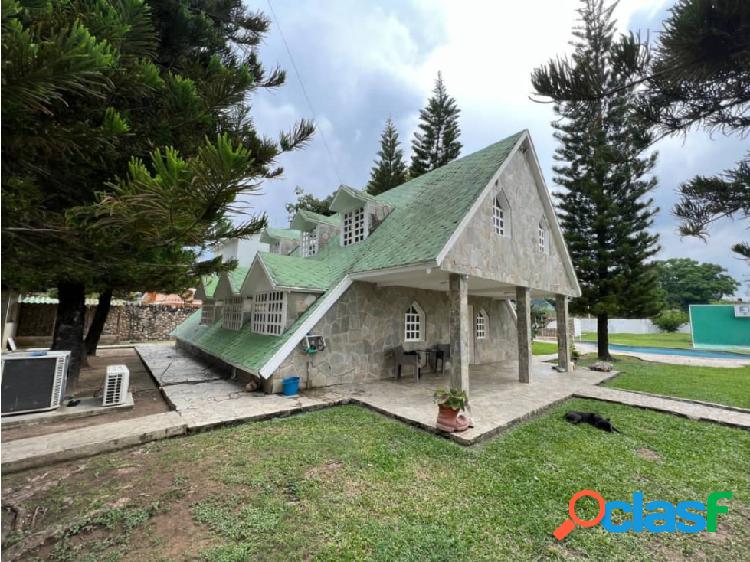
(688,409)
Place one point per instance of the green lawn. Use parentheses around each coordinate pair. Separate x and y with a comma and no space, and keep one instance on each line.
(348,484)
(676,340)
(543,347)
(723,386)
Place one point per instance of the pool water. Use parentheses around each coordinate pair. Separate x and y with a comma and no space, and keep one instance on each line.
(674,351)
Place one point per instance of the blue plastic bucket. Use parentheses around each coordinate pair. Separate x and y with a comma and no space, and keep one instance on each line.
(290,386)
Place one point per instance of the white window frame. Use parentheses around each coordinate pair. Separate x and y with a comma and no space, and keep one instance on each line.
(309,243)
(498,217)
(233,311)
(542,237)
(208,310)
(269,312)
(355,228)
(481,325)
(414,323)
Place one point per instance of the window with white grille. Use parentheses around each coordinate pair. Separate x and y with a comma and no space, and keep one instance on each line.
(498,217)
(481,325)
(232,319)
(542,238)
(207,313)
(414,323)
(355,228)
(309,246)
(268,313)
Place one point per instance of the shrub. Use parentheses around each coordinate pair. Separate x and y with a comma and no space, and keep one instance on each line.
(670,320)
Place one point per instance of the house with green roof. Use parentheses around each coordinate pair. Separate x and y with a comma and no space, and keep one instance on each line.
(448,261)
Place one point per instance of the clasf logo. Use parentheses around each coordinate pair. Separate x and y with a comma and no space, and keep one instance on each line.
(658,517)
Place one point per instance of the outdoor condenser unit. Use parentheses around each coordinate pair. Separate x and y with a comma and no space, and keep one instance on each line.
(116,385)
(33,381)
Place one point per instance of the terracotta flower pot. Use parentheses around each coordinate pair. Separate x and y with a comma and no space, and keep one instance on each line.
(446,420)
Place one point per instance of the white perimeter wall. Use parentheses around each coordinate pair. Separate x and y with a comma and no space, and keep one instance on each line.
(624,326)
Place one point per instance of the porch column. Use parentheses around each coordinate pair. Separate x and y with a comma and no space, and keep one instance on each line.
(459,331)
(523,323)
(563,340)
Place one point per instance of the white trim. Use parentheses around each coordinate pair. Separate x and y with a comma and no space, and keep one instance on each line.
(478,202)
(409,323)
(328,301)
(389,270)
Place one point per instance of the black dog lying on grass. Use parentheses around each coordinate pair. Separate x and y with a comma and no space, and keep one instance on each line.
(591,418)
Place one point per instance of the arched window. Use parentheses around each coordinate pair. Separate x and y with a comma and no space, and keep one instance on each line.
(481,325)
(542,239)
(501,215)
(414,323)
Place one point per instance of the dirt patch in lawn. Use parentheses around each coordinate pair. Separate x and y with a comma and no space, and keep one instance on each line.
(648,454)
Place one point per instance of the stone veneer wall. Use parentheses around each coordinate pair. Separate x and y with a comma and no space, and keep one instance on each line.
(368,321)
(129,323)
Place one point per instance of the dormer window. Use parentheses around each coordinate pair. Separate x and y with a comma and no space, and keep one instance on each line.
(355,226)
(309,244)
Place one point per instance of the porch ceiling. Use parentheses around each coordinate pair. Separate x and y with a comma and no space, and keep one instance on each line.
(434,279)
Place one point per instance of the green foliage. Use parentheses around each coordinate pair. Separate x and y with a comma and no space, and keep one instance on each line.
(454,399)
(389,170)
(436,143)
(670,320)
(684,282)
(308,202)
(539,319)
(603,168)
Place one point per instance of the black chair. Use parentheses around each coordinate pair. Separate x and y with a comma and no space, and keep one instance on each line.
(440,352)
(403,357)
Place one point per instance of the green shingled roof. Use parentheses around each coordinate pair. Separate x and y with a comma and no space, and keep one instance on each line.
(210,282)
(297,272)
(237,278)
(285,233)
(425,213)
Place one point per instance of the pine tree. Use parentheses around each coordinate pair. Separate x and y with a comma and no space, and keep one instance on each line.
(389,170)
(603,207)
(436,143)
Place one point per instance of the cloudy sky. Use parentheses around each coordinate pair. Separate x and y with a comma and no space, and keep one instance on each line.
(362,61)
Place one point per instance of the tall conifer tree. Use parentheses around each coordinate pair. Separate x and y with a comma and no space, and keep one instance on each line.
(389,170)
(603,207)
(436,143)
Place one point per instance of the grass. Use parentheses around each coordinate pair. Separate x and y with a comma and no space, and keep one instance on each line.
(675,340)
(348,484)
(710,384)
(543,347)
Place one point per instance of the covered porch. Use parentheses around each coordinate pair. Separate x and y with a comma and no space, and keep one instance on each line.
(462,321)
(498,400)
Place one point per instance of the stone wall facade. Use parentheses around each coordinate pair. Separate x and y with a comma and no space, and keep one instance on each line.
(128,323)
(367,322)
(514,259)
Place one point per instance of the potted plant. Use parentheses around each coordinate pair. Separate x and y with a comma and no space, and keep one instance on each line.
(450,402)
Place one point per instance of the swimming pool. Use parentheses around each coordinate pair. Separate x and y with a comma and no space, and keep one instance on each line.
(675,351)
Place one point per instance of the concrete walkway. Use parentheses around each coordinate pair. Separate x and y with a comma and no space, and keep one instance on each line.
(725,416)
(202,400)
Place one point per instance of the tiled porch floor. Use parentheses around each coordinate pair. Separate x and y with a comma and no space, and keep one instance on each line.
(497,399)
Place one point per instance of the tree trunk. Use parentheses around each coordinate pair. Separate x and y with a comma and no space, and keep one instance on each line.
(97,323)
(602,337)
(68,334)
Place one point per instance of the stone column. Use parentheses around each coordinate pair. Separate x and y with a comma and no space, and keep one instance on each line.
(459,331)
(563,339)
(523,323)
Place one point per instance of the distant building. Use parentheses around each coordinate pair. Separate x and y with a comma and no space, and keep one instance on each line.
(241,249)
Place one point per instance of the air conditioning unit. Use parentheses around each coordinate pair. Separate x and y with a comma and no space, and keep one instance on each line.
(742,310)
(33,381)
(116,385)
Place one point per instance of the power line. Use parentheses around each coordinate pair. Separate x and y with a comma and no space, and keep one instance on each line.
(304,92)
